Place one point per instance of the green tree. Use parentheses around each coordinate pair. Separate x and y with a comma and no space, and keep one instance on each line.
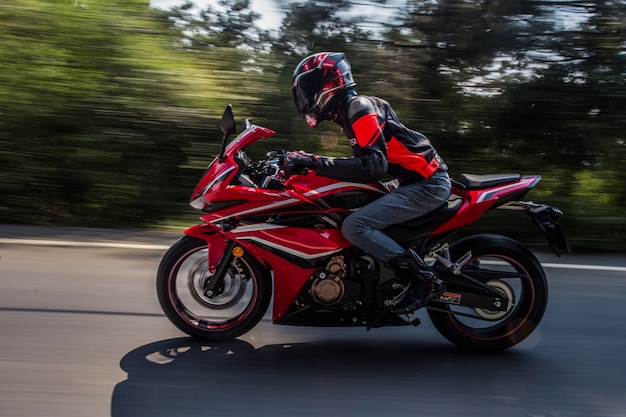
(88,133)
(110,109)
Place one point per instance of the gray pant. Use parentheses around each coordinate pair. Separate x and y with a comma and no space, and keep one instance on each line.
(363,227)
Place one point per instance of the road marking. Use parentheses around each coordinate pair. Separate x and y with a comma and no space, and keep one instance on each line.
(116,245)
(589,267)
(120,245)
(68,311)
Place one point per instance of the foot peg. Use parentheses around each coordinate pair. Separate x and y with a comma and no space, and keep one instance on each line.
(418,295)
(410,263)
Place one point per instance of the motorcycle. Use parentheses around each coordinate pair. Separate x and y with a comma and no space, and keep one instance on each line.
(267,234)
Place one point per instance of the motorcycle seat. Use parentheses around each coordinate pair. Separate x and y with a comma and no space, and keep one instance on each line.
(477,182)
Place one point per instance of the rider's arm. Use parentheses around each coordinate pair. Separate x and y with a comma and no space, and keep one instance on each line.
(370,162)
(369,167)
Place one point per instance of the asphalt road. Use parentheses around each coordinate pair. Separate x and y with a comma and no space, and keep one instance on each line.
(82,334)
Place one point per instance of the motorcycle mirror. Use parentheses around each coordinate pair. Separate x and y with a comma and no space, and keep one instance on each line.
(228,127)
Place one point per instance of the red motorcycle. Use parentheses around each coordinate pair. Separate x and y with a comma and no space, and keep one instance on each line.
(262,225)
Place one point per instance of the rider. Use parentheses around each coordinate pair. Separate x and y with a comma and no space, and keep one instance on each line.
(323,89)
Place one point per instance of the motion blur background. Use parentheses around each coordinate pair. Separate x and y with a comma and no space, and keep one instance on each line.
(109,109)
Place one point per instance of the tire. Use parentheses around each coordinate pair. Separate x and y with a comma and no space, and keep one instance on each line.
(510,268)
(239,305)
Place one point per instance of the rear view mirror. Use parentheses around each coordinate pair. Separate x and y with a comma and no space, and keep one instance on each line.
(227,125)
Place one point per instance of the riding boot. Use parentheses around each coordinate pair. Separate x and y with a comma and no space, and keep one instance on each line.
(422,282)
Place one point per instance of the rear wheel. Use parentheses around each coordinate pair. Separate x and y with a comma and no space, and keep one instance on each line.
(234,308)
(512,270)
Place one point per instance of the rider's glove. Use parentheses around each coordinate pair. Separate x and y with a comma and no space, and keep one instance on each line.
(297,161)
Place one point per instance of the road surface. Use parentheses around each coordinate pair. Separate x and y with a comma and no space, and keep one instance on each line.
(82,335)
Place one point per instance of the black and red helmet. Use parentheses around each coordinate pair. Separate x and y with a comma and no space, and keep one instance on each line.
(318,82)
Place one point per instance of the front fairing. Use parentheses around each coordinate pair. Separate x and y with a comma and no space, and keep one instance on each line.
(223,169)
(248,137)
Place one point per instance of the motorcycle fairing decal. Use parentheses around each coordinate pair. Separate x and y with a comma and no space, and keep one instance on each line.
(291,246)
(288,250)
(217,180)
(218,172)
(303,208)
(290,272)
(256,227)
(301,243)
(477,202)
(450,298)
(257,209)
(488,194)
(331,187)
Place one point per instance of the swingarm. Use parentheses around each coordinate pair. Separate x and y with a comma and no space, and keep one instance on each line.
(468,288)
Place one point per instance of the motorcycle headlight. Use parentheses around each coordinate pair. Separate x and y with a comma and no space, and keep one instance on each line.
(199,203)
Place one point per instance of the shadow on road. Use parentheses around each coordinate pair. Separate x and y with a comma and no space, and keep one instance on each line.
(183,377)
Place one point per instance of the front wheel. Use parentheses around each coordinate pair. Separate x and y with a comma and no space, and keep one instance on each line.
(509,268)
(235,307)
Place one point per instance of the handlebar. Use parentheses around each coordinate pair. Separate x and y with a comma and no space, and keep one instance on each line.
(271,172)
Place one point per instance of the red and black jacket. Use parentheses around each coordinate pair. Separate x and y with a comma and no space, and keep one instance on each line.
(381,144)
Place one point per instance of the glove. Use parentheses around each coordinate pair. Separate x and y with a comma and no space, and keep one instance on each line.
(298,161)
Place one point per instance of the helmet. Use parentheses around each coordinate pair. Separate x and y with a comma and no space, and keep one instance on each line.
(318,82)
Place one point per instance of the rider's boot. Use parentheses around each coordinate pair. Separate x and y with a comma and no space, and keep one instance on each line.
(422,282)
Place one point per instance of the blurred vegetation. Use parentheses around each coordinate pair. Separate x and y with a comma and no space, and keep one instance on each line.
(109,109)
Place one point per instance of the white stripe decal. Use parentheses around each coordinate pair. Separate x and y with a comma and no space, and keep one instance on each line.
(488,193)
(257,209)
(331,187)
(257,227)
(216,180)
(289,250)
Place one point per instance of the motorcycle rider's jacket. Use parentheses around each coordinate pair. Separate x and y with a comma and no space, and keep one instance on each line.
(381,144)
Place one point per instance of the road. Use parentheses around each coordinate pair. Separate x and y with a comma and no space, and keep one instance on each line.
(82,335)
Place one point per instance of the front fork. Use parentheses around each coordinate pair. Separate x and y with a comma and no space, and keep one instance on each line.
(216,280)
(220,255)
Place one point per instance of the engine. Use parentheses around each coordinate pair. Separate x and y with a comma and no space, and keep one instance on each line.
(333,283)
(328,286)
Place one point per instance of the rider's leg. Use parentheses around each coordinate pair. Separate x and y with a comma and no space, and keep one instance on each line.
(363,229)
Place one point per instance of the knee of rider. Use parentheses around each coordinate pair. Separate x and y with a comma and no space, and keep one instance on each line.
(348,228)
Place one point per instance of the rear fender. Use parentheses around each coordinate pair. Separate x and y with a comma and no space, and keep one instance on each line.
(546,218)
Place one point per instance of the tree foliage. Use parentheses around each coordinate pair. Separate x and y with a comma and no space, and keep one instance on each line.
(108,107)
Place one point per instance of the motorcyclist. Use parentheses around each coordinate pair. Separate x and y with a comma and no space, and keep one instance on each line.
(323,89)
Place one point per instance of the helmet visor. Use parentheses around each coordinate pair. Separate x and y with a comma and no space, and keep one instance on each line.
(305,87)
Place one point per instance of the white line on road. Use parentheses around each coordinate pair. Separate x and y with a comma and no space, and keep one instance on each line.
(120,245)
(117,245)
(590,267)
